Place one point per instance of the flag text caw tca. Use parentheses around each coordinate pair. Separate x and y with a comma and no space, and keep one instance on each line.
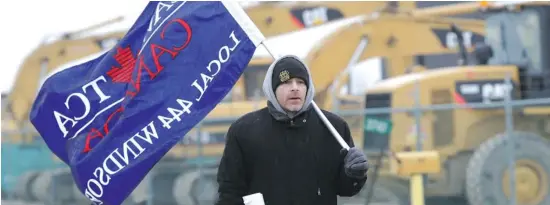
(117,160)
(121,74)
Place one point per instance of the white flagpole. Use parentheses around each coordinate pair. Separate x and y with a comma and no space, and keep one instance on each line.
(319,112)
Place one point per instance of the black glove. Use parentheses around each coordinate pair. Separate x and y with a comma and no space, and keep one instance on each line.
(355,163)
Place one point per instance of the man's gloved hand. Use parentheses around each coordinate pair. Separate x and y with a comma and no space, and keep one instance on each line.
(355,163)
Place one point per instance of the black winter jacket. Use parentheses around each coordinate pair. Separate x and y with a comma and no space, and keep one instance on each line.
(291,162)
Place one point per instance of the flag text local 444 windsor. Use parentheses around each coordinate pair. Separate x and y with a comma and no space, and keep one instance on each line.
(111,119)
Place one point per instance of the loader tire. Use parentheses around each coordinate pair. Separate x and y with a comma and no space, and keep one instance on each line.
(487,181)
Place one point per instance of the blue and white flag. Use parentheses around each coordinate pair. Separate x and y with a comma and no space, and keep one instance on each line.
(111,119)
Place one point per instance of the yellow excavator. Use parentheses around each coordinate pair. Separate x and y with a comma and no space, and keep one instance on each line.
(476,142)
(272,19)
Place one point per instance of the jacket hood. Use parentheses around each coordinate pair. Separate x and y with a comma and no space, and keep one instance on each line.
(276,110)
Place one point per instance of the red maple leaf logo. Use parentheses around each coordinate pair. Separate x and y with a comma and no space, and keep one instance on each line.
(126,59)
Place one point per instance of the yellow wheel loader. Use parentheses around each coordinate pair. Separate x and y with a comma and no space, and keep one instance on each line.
(466,116)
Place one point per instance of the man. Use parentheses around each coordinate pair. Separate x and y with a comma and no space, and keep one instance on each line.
(284,151)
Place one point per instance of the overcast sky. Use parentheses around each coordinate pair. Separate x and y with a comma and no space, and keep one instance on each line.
(25,23)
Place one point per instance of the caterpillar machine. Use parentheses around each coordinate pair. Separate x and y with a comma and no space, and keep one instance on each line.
(472,140)
(273,18)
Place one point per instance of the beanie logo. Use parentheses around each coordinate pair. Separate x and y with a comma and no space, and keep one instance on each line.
(284,76)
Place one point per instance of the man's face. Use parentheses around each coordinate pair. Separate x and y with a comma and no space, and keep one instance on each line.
(291,94)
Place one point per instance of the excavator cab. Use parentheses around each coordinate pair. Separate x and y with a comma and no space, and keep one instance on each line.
(520,37)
